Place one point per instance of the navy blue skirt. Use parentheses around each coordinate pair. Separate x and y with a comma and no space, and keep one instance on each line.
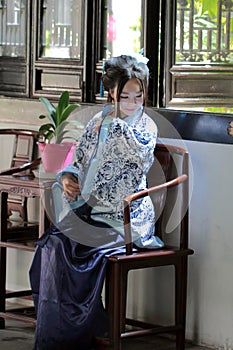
(67,279)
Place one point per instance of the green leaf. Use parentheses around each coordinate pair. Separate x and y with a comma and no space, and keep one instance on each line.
(210,7)
(61,132)
(60,137)
(68,135)
(67,111)
(46,127)
(62,104)
(46,131)
(49,136)
(50,108)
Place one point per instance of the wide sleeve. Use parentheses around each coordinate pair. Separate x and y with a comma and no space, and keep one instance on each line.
(84,150)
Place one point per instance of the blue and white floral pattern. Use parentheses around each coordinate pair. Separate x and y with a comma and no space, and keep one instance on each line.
(127,153)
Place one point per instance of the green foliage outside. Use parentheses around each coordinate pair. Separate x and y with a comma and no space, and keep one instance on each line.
(137,29)
(205,30)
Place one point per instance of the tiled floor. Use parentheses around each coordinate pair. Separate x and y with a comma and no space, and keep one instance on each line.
(19,336)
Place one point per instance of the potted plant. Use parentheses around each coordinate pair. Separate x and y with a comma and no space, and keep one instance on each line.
(53,138)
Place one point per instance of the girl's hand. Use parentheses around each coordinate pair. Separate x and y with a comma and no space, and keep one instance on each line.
(71,186)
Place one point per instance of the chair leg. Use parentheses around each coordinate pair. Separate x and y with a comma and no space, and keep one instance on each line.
(2,285)
(114,306)
(117,303)
(123,289)
(180,302)
(3,229)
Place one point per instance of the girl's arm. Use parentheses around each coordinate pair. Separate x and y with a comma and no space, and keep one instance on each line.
(83,152)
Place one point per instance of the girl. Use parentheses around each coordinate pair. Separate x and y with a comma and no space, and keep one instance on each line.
(113,157)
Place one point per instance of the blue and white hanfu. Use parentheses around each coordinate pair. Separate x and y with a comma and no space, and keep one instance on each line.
(113,158)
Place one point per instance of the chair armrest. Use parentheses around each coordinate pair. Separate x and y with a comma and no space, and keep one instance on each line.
(30,165)
(143,193)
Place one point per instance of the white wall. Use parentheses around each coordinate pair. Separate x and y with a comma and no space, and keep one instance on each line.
(210,297)
(210,278)
(210,282)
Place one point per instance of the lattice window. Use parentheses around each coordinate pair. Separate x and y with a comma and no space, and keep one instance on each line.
(12,28)
(204,34)
(61,26)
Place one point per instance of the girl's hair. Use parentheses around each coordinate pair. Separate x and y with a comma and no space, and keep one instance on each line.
(118,70)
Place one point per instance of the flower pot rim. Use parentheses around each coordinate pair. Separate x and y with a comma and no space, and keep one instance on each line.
(53,143)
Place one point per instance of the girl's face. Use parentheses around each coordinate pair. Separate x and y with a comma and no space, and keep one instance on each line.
(131,97)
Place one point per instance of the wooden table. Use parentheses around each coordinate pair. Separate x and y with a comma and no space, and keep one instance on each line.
(26,187)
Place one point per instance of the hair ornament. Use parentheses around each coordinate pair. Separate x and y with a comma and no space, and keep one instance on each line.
(138,56)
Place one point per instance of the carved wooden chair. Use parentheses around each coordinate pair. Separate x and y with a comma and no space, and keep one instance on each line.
(19,230)
(169,178)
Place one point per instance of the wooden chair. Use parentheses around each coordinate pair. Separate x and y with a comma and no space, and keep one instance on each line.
(21,164)
(169,178)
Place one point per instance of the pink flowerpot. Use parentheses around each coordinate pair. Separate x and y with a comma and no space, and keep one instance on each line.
(56,156)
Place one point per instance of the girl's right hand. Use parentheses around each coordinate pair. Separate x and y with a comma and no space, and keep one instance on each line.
(71,186)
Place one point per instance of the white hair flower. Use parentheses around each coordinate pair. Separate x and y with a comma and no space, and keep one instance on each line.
(138,56)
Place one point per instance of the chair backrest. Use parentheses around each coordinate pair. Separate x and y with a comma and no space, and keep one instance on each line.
(24,152)
(170,201)
(24,147)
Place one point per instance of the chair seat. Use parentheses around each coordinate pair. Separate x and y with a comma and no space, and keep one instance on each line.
(151,255)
